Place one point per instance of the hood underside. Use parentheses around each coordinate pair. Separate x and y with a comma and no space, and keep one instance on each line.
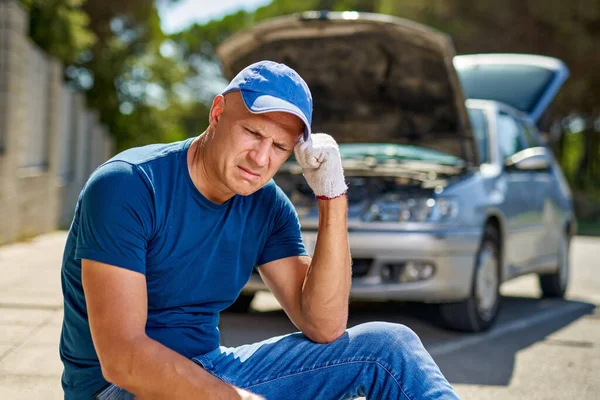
(374,78)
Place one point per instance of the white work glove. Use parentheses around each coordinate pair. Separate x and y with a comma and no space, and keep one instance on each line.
(321,165)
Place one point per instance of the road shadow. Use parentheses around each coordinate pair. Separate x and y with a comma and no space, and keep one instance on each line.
(484,358)
(491,360)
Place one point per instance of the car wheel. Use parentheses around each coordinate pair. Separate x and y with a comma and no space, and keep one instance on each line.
(241,305)
(479,312)
(555,285)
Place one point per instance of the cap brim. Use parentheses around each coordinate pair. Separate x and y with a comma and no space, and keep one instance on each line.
(259,103)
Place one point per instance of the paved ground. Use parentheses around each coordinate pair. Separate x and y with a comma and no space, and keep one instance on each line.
(540,349)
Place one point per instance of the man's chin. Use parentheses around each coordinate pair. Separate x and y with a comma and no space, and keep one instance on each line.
(247,189)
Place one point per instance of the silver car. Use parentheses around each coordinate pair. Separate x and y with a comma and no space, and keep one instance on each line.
(452,191)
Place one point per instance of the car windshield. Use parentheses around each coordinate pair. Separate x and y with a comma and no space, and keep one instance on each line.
(386,153)
(375,154)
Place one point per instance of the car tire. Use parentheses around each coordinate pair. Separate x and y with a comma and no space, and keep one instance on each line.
(241,305)
(479,312)
(555,284)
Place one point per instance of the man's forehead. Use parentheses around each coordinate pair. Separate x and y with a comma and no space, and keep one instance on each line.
(288,121)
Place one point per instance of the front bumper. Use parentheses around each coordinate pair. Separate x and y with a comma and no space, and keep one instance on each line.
(452,252)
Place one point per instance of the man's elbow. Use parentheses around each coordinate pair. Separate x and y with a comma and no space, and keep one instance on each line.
(325,336)
(115,372)
(118,364)
(111,373)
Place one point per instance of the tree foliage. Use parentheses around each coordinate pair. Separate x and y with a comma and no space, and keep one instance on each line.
(60,27)
(112,51)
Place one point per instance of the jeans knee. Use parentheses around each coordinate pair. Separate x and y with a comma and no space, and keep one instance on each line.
(386,336)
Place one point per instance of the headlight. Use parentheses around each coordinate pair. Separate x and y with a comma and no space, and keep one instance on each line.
(447,208)
(411,210)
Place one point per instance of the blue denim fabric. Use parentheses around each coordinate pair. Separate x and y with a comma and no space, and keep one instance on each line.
(378,360)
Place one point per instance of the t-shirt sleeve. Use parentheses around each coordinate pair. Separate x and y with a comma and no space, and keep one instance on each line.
(115,217)
(285,239)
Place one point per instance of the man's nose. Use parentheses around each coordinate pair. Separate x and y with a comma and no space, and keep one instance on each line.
(260,154)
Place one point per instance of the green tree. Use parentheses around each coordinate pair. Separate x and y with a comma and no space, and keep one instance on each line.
(112,50)
(60,27)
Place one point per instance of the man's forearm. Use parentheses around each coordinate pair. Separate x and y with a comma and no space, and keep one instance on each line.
(153,371)
(327,285)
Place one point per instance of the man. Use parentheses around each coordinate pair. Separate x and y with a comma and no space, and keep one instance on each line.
(165,237)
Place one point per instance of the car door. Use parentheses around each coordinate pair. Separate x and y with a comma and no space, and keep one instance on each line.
(518,207)
(546,226)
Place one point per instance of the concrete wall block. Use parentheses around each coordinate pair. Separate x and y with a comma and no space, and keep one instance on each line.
(15,47)
(81,136)
(14,16)
(8,224)
(14,59)
(35,144)
(54,120)
(31,100)
(68,136)
(32,200)
(3,118)
(68,195)
(92,118)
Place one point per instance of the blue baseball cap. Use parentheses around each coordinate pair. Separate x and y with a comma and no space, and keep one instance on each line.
(267,86)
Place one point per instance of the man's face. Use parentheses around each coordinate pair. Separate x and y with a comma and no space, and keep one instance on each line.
(248,149)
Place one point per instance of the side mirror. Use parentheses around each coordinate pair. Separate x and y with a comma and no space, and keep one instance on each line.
(532,159)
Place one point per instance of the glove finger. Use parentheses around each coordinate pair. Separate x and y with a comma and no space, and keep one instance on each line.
(300,152)
(314,157)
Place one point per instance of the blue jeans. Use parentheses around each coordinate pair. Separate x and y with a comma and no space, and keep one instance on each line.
(378,360)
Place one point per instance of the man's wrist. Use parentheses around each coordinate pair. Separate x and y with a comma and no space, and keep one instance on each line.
(330,198)
(333,208)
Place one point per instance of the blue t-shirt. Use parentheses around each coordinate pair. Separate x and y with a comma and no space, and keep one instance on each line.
(141,211)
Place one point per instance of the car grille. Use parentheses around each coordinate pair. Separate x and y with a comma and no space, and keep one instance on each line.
(361,266)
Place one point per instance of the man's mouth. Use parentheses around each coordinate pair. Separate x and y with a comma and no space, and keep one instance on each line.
(249,173)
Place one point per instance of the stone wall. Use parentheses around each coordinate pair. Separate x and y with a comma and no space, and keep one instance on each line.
(49,141)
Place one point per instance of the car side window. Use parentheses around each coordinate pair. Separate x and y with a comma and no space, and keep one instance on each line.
(509,135)
(479,125)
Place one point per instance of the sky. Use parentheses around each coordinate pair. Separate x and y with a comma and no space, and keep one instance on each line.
(186,12)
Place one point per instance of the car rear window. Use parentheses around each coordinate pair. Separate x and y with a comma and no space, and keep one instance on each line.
(520,86)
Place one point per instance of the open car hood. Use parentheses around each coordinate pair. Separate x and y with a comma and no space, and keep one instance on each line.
(524,81)
(374,78)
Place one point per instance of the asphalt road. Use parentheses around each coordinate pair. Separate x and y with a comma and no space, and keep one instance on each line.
(539,348)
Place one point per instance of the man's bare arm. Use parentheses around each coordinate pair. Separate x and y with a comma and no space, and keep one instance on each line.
(314,293)
(117,310)
(327,285)
(315,296)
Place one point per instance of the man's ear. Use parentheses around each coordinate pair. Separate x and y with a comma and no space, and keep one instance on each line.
(216,110)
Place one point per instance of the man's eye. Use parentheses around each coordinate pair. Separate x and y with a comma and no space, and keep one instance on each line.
(280,147)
